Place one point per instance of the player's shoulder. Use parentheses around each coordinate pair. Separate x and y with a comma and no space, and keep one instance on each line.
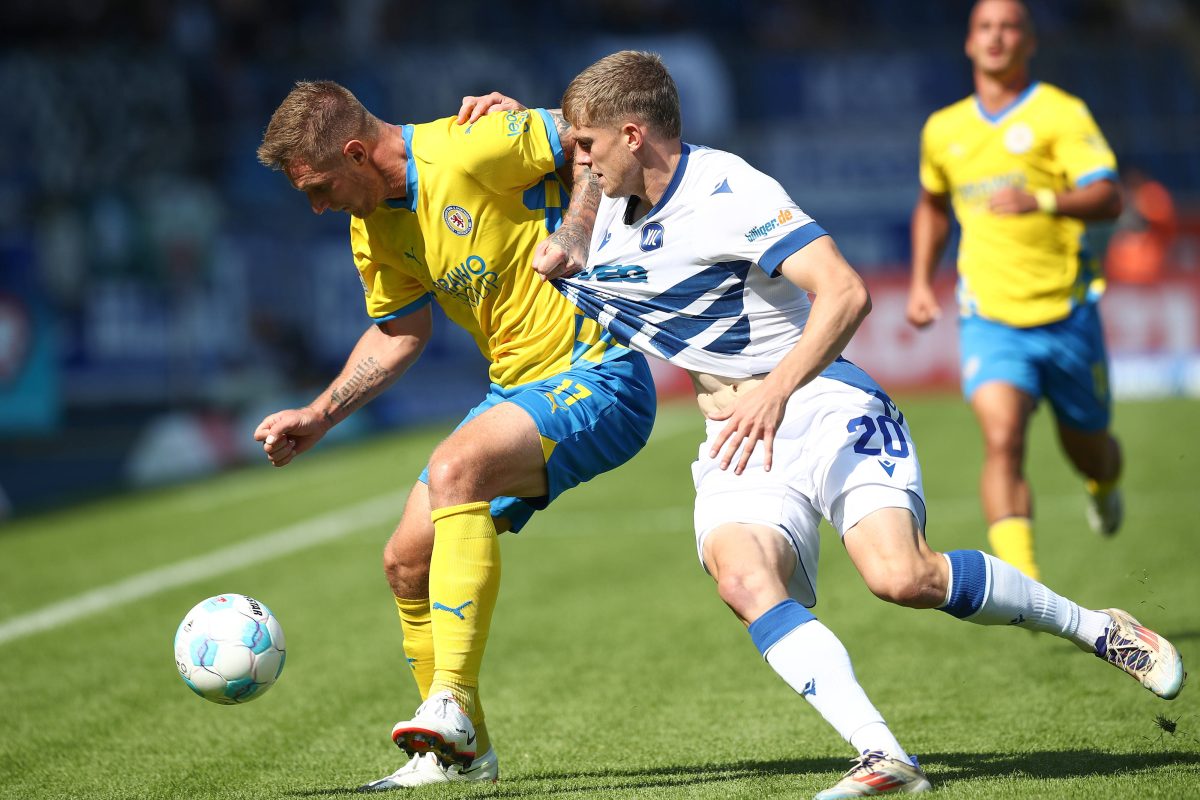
(1054,98)
(952,115)
(722,176)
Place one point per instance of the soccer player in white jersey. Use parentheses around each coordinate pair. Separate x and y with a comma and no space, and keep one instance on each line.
(699,259)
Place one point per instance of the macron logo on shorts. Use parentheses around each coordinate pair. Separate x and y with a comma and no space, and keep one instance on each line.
(888,466)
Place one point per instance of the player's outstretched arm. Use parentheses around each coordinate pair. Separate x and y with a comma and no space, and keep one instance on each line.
(930,229)
(383,353)
(840,304)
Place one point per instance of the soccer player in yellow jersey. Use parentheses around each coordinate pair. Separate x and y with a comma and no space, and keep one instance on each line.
(1023,165)
(452,213)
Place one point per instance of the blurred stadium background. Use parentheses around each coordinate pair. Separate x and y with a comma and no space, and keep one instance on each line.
(160,291)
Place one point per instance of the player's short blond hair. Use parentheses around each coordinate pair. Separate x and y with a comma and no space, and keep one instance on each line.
(313,124)
(628,84)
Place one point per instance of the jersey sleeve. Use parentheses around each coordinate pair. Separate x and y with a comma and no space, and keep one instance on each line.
(1081,149)
(755,221)
(507,151)
(390,291)
(933,178)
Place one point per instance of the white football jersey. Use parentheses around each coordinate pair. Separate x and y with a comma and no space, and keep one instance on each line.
(696,281)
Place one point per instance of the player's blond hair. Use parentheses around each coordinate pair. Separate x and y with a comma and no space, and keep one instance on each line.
(313,124)
(627,84)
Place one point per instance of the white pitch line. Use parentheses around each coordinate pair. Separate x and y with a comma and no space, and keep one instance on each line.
(275,544)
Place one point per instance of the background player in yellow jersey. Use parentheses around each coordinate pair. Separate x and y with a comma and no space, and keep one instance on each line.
(452,213)
(1023,165)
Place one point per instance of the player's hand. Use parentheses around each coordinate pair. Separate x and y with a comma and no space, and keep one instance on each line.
(475,107)
(1011,200)
(287,434)
(754,418)
(922,307)
(555,257)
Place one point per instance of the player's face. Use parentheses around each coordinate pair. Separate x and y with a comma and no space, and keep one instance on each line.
(342,187)
(603,149)
(999,39)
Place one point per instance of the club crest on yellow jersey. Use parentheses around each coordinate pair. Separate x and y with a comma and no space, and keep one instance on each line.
(458,220)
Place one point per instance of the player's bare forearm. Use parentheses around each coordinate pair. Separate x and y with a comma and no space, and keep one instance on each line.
(840,303)
(564,252)
(380,357)
(930,230)
(1095,202)
(566,134)
(575,233)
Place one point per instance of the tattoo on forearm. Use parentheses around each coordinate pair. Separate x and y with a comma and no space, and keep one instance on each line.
(575,234)
(358,389)
(560,122)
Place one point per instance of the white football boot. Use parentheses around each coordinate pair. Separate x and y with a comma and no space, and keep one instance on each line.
(875,772)
(424,769)
(441,728)
(1149,658)
(1105,512)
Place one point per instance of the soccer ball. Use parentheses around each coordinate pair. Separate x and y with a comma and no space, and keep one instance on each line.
(229,649)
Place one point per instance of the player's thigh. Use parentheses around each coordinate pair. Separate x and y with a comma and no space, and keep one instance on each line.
(1003,411)
(590,419)
(498,452)
(888,549)
(752,565)
(744,550)
(782,521)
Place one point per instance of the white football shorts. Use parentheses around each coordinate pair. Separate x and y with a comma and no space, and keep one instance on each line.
(840,453)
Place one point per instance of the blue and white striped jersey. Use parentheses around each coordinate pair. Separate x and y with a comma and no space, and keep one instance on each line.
(696,281)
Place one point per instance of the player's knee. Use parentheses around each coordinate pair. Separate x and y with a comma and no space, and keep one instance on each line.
(745,592)
(1003,441)
(916,586)
(451,473)
(407,575)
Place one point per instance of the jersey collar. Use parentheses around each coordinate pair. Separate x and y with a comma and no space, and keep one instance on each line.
(676,179)
(996,118)
(409,200)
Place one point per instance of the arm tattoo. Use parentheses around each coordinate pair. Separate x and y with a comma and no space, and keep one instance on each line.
(358,389)
(560,122)
(575,233)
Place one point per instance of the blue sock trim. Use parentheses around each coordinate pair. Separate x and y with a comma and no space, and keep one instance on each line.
(780,620)
(968,583)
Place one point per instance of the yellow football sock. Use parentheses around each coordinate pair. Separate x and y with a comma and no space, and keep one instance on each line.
(464,581)
(1100,489)
(418,640)
(1012,540)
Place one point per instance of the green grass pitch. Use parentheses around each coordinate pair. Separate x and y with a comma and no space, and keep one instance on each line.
(613,669)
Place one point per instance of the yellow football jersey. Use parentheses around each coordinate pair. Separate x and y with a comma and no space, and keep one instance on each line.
(1019,269)
(479,198)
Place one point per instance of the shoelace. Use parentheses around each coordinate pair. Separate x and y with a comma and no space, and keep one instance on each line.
(1128,653)
(866,761)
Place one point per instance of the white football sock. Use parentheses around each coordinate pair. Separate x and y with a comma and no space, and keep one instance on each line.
(988,591)
(814,662)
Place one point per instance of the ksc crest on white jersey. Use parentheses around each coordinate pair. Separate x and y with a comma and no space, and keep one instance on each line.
(696,280)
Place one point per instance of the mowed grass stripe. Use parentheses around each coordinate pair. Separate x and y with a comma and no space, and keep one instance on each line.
(275,544)
(381,509)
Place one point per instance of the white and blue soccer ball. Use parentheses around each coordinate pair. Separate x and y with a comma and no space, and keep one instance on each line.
(229,649)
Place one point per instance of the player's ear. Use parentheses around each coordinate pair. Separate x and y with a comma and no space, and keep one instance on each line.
(632,136)
(356,151)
